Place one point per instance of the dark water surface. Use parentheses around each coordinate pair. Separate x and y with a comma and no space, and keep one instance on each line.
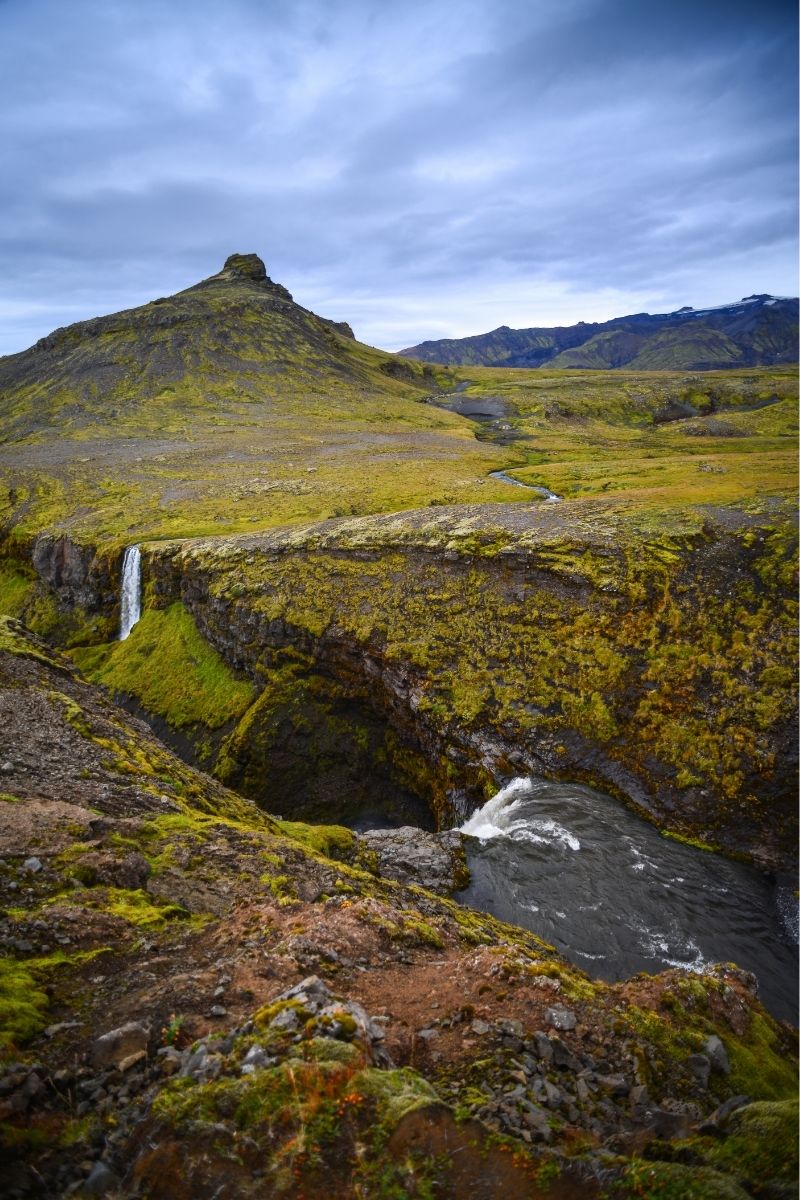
(615,897)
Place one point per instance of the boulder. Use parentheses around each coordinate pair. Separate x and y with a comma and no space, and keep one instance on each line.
(409,855)
(717,1055)
(114,1047)
(560,1018)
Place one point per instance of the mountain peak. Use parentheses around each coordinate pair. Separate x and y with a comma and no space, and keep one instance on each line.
(245,266)
(248,269)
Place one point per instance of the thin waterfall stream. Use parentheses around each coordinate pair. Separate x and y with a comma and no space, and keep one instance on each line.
(131,593)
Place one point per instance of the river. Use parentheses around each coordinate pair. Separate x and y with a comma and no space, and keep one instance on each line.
(615,897)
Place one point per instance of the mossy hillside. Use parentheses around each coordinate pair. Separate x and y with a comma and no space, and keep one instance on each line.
(24,597)
(760,1147)
(662,655)
(193,358)
(225,406)
(170,669)
(104,740)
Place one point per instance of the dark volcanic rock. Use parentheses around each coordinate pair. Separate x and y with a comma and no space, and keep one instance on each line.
(432,860)
(248,266)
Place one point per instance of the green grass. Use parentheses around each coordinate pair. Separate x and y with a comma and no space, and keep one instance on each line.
(171,670)
(25,990)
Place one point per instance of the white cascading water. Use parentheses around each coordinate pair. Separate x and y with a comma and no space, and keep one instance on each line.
(131,606)
(483,823)
(512,814)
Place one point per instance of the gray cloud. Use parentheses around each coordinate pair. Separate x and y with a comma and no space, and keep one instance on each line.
(421,169)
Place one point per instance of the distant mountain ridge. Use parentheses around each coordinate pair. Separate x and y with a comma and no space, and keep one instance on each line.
(758,330)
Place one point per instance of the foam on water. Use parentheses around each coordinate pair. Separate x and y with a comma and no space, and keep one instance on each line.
(486,822)
(496,819)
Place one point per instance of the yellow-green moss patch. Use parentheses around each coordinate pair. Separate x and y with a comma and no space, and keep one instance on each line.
(169,667)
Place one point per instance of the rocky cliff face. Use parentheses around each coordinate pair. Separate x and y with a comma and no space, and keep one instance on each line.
(76,574)
(497,642)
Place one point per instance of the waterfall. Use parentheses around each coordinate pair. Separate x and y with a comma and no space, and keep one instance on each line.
(131,605)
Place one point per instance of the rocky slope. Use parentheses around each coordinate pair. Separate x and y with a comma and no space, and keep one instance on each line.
(758,330)
(195,996)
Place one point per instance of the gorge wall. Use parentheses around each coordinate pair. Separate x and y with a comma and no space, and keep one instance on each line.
(492,646)
(434,654)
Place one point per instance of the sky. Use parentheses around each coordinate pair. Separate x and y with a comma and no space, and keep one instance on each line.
(419,168)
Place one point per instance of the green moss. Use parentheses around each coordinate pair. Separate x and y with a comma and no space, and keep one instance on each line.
(687,841)
(266,1015)
(291,1095)
(13,640)
(281,887)
(334,841)
(24,997)
(325,1049)
(23,1003)
(15,590)
(191,684)
(760,1147)
(760,1066)
(79,1131)
(134,906)
(397,1092)
(674,1181)
(417,930)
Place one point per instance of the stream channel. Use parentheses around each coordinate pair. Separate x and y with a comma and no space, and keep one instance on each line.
(489,413)
(615,897)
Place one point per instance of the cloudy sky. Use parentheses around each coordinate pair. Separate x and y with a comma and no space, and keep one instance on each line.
(420,168)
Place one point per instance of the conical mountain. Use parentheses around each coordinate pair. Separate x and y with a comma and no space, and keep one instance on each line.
(201,355)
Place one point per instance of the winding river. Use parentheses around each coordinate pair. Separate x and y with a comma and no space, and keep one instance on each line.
(504,477)
(615,897)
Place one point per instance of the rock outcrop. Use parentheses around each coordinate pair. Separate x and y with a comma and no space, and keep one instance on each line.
(435,861)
